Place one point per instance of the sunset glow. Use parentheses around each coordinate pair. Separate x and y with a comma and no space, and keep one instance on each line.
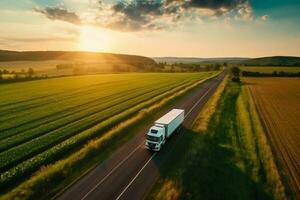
(93,39)
(153,28)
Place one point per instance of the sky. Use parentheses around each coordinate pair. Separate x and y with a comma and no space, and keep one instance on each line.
(155,28)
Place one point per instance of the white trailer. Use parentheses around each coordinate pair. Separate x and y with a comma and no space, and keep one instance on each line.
(163,128)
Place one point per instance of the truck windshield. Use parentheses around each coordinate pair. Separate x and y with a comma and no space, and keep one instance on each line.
(153,131)
(153,138)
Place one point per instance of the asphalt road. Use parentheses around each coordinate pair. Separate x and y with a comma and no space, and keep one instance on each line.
(130,171)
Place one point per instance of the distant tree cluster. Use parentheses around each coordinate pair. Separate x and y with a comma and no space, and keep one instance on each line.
(16,75)
(84,68)
(273,74)
(188,67)
(273,64)
(64,66)
(235,73)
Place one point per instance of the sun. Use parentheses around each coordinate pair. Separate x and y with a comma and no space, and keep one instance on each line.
(93,39)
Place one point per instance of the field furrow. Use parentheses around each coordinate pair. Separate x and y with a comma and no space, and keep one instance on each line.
(44,127)
(76,110)
(66,100)
(277,100)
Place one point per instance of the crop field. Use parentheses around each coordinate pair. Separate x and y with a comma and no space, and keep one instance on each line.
(42,121)
(271,69)
(277,100)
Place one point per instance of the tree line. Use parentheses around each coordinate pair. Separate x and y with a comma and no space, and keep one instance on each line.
(236,72)
(273,74)
(12,76)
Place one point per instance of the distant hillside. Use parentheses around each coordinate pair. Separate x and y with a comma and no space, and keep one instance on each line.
(264,61)
(273,61)
(191,60)
(8,56)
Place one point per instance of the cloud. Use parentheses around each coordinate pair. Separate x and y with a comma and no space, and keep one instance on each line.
(264,17)
(245,12)
(137,15)
(59,13)
(214,4)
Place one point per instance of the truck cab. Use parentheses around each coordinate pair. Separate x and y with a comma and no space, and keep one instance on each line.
(163,128)
(155,138)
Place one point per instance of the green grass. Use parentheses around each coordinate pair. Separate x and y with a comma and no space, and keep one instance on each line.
(266,69)
(229,160)
(62,114)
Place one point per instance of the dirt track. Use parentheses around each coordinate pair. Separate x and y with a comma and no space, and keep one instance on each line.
(278,103)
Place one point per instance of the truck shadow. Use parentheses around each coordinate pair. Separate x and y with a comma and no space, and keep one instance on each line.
(202,166)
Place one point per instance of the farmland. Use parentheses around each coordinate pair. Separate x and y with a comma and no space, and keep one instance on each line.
(277,100)
(54,117)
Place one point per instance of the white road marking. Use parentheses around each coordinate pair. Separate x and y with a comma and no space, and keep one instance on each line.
(198,101)
(136,176)
(114,169)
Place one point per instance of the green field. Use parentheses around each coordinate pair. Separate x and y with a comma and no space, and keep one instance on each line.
(48,67)
(42,121)
(266,69)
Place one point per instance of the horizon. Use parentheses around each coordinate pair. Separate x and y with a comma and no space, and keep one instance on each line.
(182,57)
(194,29)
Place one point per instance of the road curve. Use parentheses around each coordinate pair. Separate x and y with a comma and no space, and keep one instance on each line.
(130,171)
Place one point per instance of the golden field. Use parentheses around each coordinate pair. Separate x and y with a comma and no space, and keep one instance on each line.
(278,103)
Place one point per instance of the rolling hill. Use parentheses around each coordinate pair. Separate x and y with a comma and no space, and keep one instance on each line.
(273,61)
(195,60)
(8,56)
(69,55)
(59,63)
(263,61)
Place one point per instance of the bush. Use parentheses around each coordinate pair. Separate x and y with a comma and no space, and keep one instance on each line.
(236,79)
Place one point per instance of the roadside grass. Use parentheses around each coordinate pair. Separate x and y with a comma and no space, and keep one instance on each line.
(202,121)
(51,179)
(228,159)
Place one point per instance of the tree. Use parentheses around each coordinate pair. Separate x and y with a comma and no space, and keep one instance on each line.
(30,72)
(217,67)
(235,71)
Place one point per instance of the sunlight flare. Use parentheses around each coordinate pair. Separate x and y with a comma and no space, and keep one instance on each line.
(93,39)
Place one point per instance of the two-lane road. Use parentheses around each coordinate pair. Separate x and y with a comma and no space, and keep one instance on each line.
(130,171)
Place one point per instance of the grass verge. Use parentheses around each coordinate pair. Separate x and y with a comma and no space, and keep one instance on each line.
(53,178)
(228,155)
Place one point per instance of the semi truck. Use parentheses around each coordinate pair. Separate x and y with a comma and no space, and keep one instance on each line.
(163,128)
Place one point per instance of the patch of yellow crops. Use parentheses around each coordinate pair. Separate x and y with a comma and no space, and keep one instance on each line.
(169,191)
(205,115)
